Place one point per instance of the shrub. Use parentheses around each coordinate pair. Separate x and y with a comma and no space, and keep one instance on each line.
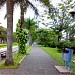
(64,44)
(52,44)
(21,37)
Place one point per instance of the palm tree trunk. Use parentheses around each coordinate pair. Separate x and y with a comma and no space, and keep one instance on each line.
(9,56)
(22,14)
(30,39)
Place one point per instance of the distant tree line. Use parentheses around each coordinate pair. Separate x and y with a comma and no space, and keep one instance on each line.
(3,34)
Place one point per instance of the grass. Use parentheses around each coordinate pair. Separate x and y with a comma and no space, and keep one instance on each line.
(14,44)
(58,56)
(5,45)
(17,60)
(54,53)
(73,64)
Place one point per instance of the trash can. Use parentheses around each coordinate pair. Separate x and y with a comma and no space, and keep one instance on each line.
(67,56)
(70,53)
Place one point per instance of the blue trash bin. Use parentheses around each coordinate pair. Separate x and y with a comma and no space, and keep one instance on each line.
(70,53)
(67,56)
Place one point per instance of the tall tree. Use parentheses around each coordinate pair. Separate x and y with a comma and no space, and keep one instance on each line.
(30,24)
(9,56)
(61,18)
(22,13)
(23,7)
(67,19)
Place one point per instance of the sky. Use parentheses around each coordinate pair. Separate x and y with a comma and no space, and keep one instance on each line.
(16,16)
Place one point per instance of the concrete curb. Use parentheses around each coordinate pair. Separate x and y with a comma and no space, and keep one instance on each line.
(22,59)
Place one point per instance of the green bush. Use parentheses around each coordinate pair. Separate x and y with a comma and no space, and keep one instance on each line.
(21,37)
(47,37)
(64,44)
(51,44)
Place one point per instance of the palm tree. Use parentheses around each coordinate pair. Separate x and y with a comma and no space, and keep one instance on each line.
(9,57)
(30,24)
(24,5)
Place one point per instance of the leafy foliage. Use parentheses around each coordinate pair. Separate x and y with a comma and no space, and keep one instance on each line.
(34,36)
(21,36)
(65,44)
(46,2)
(30,24)
(62,20)
(47,37)
(3,33)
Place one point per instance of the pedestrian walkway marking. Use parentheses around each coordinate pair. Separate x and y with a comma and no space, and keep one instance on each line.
(62,69)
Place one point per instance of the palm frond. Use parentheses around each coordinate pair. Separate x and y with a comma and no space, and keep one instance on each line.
(30,24)
(2,2)
(34,8)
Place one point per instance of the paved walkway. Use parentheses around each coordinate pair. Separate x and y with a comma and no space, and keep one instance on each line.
(38,62)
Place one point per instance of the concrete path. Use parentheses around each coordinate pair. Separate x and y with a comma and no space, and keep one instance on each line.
(38,62)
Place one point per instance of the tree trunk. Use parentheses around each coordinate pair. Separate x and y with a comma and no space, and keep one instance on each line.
(67,36)
(22,14)
(9,56)
(0,40)
(30,40)
(59,38)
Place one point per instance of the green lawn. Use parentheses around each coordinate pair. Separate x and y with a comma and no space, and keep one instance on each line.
(54,53)
(5,45)
(57,56)
(17,59)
